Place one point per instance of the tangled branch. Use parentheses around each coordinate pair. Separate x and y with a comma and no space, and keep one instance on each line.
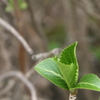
(20,76)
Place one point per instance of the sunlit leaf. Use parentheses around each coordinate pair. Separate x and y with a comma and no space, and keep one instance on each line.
(69,72)
(50,70)
(68,55)
(89,81)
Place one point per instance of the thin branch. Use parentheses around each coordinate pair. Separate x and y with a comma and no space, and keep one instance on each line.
(20,76)
(5,2)
(17,35)
(36,23)
(9,86)
(55,52)
(72,97)
(89,9)
(42,56)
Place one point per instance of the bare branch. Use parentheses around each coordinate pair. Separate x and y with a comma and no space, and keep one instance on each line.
(55,51)
(72,97)
(5,2)
(20,76)
(9,86)
(89,9)
(42,56)
(17,35)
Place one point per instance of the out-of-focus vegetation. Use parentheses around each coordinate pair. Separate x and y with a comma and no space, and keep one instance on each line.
(10,7)
(56,37)
(45,25)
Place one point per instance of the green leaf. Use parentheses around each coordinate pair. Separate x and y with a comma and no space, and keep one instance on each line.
(68,55)
(10,6)
(89,81)
(11,2)
(50,70)
(69,73)
(8,9)
(23,5)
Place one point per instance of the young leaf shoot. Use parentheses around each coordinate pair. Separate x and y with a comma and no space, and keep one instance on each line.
(64,71)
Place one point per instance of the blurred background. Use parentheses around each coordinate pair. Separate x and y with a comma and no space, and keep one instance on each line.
(45,25)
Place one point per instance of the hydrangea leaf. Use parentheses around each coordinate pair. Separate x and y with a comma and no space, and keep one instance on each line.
(89,81)
(68,55)
(49,69)
(63,71)
(69,73)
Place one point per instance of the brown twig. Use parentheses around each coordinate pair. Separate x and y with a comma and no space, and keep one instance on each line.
(20,25)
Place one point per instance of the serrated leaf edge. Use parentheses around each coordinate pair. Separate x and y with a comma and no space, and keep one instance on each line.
(86,87)
(76,63)
(90,74)
(87,83)
(69,47)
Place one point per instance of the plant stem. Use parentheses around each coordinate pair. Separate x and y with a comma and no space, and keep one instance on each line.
(72,97)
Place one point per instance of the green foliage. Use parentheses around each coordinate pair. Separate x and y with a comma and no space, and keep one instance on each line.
(63,71)
(96,51)
(56,34)
(68,63)
(10,7)
(53,44)
(70,76)
(89,81)
(50,70)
